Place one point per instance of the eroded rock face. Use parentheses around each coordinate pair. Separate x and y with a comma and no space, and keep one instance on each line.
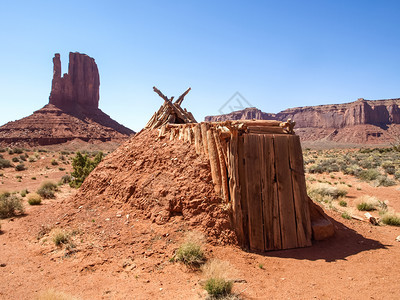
(72,113)
(372,121)
(77,90)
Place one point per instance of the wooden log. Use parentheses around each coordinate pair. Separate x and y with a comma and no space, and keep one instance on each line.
(161,133)
(253,191)
(181,97)
(189,134)
(265,129)
(285,192)
(243,192)
(172,134)
(272,227)
(204,129)
(185,133)
(180,136)
(223,170)
(214,161)
(257,122)
(198,145)
(234,187)
(303,221)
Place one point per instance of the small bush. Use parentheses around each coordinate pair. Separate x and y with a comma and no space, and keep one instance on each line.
(324,189)
(18,150)
(60,237)
(34,199)
(343,203)
(83,165)
(5,163)
(15,159)
(54,162)
(346,215)
(10,204)
(23,157)
(20,167)
(363,206)
(65,179)
(368,175)
(383,180)
(390,219)
(24,193)
(218,287)
(47,190)
(190,252)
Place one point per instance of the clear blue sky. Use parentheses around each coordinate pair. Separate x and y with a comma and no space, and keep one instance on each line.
(277,54)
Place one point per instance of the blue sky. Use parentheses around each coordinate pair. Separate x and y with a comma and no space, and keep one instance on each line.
(277,54)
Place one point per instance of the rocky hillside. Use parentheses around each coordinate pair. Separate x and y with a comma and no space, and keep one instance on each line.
(72,113)
(361,121)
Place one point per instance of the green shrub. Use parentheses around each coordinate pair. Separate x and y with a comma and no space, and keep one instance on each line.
(383,180)
(368,175)
(391,219)
(342,203)
(24,192)
(15,159)
(23,157)
(218,287)
(18,150)
(34,199)
(82,166)
(345,215)
(47,190)
(324,189)
(5,163)
(190,254)
(364,206)
(54,162)
(20,167)
(10,204)
(65,179)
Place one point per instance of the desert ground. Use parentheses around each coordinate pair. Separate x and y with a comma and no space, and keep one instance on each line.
(120,254)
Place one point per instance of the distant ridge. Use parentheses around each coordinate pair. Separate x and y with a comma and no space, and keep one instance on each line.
(358,122)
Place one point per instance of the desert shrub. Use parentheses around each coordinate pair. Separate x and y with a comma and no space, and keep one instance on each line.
(32,159)
(20,167)
(18,150)
(5,163)
(217,283)
(15,159)
(82,166)
(47,190)
(60,237)
(61,157)
(367,203)
(346,215)
(343,203)
(190,251)
(352,170)
(368,175)
(324,189)
(34,199)
(65,179)
(383,180)
(61,169)
(24,192)
(390,218)
(54,162)
(397,175)
(314,168)
(23,157)
(3,150)
(10,204)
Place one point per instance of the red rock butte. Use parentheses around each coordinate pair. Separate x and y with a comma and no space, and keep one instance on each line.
(72,113)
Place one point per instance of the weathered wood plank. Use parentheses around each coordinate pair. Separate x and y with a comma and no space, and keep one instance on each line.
(197,139)
(285,194)
(214,161)
(224,177)
(265,129)
(204,127)
(253,191)
(302,211)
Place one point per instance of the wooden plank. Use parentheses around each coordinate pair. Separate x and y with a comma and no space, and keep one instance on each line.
(214,161)
(243,194)
(272,231)
(204,128)
(265,129)
(234,186)
(253,191)
(224,177)
(197,138)
(285,193)
(303,221)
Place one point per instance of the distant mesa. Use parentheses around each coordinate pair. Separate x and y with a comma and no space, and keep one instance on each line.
(359,122)
(72,113)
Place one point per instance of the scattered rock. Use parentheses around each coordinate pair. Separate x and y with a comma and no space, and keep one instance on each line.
(398,238)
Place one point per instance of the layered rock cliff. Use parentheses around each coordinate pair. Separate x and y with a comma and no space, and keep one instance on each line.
(361,121)
(72,113)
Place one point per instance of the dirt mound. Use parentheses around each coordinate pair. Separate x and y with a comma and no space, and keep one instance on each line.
(163,181)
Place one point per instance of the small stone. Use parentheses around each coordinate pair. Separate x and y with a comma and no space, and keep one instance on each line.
(2,265)
(398,238)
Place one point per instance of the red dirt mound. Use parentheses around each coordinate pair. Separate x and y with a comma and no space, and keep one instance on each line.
(164,181)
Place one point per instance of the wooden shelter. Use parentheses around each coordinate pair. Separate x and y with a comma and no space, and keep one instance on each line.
(256,167)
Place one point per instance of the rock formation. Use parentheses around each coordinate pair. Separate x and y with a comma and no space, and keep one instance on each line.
(72,113)
(361,121)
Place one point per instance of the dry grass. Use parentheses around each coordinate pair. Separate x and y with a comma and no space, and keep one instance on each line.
(218,283)
(190,252)
(34,199)
(367,203)
(54,295)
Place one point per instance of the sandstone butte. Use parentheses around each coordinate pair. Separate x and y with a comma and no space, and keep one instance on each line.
(72,112)
(359,122)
